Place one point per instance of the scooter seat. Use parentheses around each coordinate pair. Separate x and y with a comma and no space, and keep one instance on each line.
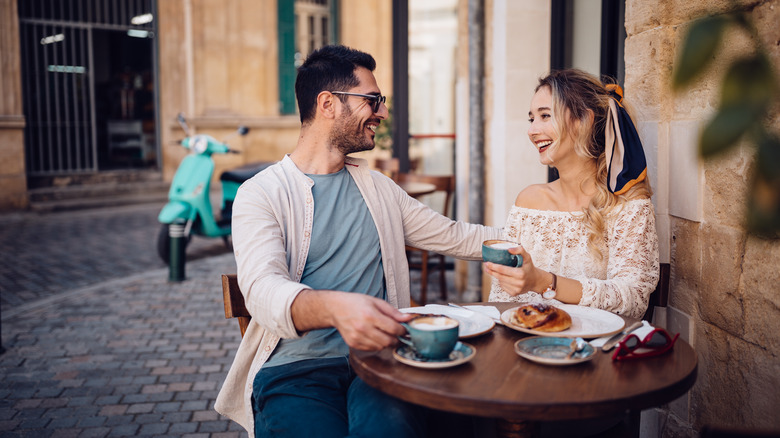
(243,173)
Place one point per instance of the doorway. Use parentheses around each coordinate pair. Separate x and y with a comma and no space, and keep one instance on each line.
(124,100)
(88,84)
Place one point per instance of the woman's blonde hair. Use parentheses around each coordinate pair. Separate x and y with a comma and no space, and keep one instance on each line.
(579,96)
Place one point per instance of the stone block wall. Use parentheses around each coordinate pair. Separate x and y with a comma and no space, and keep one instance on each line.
(725,284)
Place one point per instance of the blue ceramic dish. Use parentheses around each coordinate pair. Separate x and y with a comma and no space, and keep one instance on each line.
(552,351)
(461,354)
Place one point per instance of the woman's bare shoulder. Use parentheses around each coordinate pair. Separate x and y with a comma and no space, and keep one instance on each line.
(536,196)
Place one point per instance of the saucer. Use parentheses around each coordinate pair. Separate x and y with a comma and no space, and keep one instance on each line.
(552,351)
(472,323)
(461,354)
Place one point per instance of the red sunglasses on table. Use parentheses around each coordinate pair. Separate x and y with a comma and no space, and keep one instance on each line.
(658,341)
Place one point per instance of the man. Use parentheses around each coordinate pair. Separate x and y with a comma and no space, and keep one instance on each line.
(319,245)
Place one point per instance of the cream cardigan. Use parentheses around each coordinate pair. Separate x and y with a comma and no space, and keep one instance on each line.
(272,223)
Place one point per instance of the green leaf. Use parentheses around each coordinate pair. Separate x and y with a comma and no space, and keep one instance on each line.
(725,129)
(701,43)
(749,82)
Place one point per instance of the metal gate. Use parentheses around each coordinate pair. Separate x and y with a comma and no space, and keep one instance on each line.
(57,39)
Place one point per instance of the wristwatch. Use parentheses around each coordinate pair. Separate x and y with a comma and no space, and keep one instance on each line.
(550,292)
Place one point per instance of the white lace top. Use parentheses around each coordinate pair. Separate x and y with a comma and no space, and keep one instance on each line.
(557,241)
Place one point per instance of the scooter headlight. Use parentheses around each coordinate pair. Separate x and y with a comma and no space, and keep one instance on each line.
(200,144)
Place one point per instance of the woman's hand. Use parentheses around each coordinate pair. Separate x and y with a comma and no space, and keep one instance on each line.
(516,281)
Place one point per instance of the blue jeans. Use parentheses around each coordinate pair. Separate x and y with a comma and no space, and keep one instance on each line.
(324,398)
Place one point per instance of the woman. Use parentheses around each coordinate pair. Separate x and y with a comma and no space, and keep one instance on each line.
(589,237)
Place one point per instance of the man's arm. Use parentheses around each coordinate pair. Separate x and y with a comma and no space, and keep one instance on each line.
(365,323)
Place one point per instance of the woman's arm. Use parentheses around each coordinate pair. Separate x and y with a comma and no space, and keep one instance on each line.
(632,268)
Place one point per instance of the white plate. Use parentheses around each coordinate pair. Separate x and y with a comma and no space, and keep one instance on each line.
(461,354)
(471,323)
(552,351)
(586,322)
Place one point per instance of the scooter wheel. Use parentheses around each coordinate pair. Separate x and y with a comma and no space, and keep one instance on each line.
(164,243)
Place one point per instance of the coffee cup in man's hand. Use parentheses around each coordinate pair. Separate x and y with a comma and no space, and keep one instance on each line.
(497,251)
(432,336)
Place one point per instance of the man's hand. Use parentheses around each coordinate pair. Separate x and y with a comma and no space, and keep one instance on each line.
(365,323)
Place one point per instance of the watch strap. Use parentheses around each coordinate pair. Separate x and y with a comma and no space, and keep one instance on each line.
(552,289)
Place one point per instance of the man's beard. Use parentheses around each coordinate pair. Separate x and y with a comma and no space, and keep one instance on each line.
(348,135)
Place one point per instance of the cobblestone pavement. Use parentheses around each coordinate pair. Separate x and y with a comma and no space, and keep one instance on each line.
(45,254)
(98,342)
(138,356)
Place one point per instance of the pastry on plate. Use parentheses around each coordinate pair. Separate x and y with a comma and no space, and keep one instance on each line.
(541,317)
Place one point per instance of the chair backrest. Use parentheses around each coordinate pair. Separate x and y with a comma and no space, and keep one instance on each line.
(388,166)
(660,296)
(234,302)
(392,166)
(443,183)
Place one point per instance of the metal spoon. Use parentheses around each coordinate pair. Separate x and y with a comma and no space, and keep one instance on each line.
(577,345)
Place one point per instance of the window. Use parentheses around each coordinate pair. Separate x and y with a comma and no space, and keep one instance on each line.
(304,25)
(589,35)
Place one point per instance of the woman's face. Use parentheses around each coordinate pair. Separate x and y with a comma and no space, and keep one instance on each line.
(542,130)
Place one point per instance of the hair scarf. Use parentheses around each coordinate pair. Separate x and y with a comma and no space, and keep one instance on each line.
(626,163)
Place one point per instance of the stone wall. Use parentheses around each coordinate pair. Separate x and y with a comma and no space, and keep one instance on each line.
(13,181)
(725,285)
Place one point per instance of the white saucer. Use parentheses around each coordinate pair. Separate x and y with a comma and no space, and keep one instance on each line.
(586,322)
(472,323)
(461,354)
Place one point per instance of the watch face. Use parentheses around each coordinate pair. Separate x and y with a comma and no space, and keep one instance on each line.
(549,294)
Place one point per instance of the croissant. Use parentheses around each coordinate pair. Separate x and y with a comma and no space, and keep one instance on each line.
(541,317)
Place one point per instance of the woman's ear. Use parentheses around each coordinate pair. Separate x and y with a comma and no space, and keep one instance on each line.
(577,124)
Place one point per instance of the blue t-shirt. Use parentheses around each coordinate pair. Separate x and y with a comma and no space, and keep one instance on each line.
(344,255)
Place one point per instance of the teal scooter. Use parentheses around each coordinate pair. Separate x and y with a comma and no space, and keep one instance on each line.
(188,211)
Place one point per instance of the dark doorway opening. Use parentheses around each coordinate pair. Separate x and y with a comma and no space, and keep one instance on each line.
(88,84)
(124,100)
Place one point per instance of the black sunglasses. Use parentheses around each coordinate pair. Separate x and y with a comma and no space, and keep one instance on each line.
(374,99)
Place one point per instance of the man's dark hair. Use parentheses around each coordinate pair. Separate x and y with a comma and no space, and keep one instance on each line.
(329,68)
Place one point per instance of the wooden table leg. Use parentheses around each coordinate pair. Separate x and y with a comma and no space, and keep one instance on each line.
(516,429)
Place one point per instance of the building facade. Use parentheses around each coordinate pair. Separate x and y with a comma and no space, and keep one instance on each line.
(95,87)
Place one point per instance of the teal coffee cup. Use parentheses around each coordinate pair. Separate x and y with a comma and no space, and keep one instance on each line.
(497,251)
(432,337)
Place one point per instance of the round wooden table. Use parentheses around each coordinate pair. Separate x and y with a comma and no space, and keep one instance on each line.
(415,189)
(498,383)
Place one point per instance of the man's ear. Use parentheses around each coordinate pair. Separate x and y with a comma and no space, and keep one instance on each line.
(326,105)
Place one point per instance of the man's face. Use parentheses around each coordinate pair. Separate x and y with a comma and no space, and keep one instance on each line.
(354,129)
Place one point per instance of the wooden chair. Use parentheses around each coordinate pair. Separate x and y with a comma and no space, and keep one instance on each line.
(444,184)
(392,166)
(660,296)
(388,166)
(234,302)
